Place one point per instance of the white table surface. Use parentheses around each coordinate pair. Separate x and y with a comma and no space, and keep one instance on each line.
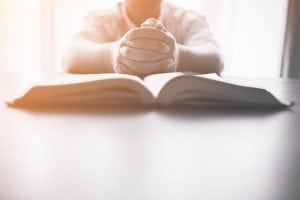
(135,154)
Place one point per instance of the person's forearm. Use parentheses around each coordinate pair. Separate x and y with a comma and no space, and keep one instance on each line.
(204,59)
(84,56)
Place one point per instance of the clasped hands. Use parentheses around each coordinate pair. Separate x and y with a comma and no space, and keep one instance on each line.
(146,50)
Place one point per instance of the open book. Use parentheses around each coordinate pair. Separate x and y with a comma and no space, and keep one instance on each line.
(163,89)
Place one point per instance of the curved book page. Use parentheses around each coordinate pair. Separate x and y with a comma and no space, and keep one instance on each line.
(209,90)
(87,90)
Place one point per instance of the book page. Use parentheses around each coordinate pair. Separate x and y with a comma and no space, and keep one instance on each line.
(70,79)
(191,89)
(88,89)
(156,82)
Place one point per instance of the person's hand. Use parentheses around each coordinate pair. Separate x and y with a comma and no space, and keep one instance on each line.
(146,50)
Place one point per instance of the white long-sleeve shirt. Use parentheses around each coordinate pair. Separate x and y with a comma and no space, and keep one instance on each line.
(188,27)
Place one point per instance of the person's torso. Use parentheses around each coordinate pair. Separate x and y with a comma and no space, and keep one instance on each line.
(116,22)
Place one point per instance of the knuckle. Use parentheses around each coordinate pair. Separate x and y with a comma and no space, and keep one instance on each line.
(118,68)
(169,63)
(119,59)
(163,47)
(124,51)
(123,42)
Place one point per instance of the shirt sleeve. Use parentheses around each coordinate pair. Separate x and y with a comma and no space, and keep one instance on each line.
(197,30)
(93,28)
